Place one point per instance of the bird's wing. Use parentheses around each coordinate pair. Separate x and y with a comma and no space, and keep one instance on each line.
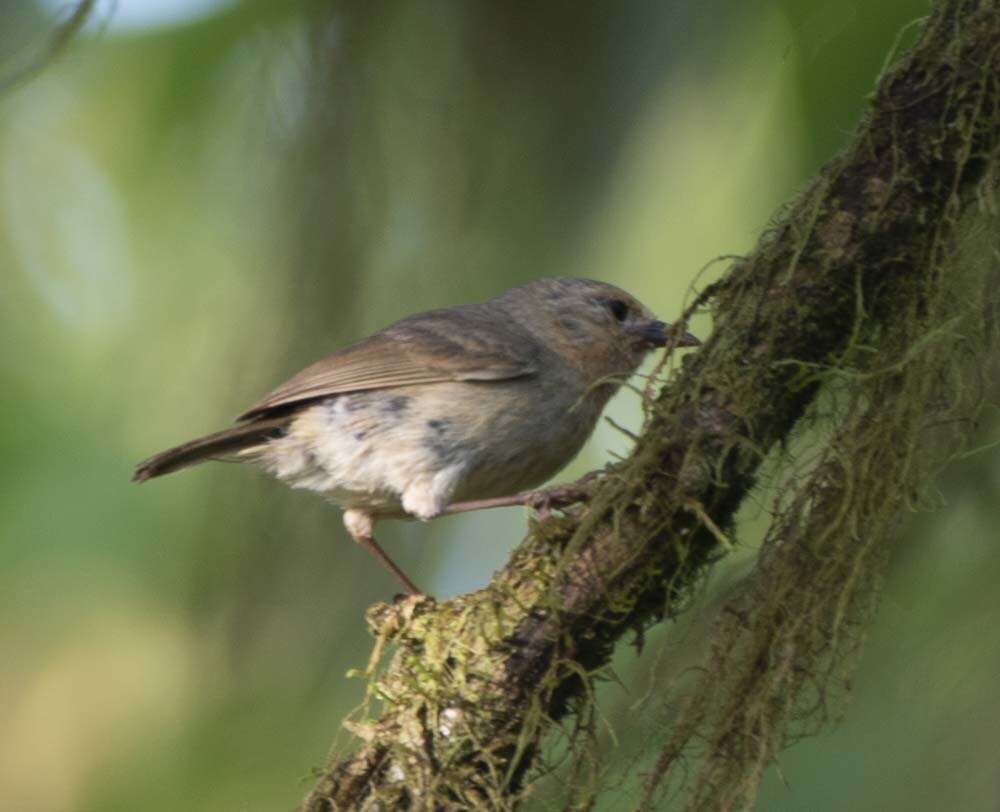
(461,344)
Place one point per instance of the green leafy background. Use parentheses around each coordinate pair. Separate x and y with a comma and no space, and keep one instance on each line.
(189,212)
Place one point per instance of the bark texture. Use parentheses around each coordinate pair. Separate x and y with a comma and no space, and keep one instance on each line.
(475,682)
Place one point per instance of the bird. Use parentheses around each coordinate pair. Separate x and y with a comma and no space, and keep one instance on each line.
(455,409)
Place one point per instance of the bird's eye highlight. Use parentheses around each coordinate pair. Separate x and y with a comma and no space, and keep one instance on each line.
(619,309)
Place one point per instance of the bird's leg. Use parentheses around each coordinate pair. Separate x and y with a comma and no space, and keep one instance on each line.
(542,501)
(360,526)
(515,499)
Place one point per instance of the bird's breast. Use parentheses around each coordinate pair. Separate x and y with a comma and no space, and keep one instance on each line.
(512,436)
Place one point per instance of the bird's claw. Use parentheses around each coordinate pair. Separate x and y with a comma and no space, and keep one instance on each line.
(545,501)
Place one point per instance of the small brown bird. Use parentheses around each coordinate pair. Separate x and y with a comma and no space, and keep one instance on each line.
(450,410)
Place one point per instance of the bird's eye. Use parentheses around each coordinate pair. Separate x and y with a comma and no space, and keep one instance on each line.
(619,309)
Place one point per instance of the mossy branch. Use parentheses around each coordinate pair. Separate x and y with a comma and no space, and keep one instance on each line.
(854,269)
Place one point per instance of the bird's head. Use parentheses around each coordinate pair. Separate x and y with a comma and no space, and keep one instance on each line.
(597,328)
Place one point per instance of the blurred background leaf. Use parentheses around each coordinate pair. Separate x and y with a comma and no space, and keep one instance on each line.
(200,197)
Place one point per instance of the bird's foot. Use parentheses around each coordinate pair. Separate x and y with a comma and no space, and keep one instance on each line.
(544,501)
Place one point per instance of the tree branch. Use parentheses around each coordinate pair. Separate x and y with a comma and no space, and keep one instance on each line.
(476,681)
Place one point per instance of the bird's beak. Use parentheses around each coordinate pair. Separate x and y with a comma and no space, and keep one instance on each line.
(656,334)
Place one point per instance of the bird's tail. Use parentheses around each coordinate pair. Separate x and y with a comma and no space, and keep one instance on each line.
(212,446)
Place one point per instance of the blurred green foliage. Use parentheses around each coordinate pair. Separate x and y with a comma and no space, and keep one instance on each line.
(190,213)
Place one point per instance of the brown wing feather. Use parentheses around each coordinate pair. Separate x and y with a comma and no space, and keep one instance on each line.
(461,344)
